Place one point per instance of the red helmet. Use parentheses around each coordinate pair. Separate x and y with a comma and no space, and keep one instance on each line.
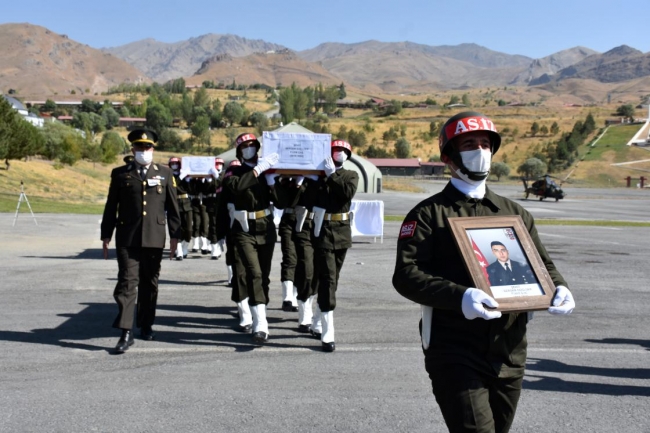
(244,138)
(174,161)
(218,161)
(467,121)
(234,163)
(342,144)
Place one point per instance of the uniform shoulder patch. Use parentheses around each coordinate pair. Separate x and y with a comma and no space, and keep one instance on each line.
(408,229)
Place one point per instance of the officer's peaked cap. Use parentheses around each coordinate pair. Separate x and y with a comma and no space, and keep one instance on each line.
(142,136)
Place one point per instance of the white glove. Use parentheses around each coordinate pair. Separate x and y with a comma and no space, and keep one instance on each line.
(299,180)
(312,176)
(270,178)
(472,305)
(563,302)
(265,163)
(330,168)
(214,173)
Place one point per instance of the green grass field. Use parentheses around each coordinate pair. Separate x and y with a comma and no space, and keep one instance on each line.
(9,203)
(615,139)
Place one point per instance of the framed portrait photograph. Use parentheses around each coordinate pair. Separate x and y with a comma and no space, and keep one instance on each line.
(502,260)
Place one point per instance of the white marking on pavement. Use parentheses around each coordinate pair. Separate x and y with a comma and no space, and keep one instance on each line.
(542,209)
(349,348)
(591,240)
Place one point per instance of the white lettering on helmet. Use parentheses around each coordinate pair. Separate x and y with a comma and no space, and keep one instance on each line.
(460,128)
(474,124)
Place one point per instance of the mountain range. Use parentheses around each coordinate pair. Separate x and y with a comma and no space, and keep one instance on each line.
(36,61)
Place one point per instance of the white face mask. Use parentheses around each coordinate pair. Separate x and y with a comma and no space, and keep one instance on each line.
(144,158)
(478,160)
(249,152)
(339,156)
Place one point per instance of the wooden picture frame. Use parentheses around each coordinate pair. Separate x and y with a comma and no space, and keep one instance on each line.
(526,284)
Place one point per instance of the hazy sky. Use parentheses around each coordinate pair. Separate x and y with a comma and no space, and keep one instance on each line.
(512,27)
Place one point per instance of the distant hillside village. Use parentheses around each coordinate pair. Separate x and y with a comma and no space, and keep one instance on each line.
(386,166)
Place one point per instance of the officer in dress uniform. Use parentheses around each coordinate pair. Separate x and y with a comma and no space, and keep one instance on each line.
(184,207)
(332,237)
(253,230)
(141,201)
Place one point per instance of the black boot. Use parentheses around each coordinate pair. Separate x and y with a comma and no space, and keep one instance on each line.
(126,340)
(147,333)
(328,347)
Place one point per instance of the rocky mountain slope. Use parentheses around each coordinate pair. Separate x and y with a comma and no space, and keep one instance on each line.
(165,61)
(272,69)
(614,66)
(36,61)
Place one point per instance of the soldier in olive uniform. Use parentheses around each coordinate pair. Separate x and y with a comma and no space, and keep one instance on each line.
(236,274)
(287,190)
(475,357)
(199,188)
(253,230)
(141,200)
(333,238)
(211,201)
(184,207)
(302,193)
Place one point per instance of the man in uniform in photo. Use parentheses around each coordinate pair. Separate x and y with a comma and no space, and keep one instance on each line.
(475,357)
(506,272)
(141,202)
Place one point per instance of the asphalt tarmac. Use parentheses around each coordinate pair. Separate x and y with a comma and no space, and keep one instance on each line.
(587,372)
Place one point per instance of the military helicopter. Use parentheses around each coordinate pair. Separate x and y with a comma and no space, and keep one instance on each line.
(543,187)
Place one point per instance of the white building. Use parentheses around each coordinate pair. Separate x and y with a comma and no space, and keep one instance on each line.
(22,110)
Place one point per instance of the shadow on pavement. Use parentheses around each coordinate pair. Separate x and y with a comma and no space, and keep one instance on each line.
(643,343)
(94,321)
(545,383)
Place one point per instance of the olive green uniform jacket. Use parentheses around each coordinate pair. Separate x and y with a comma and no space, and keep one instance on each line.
(429,270)
(335,196)
(251,193)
